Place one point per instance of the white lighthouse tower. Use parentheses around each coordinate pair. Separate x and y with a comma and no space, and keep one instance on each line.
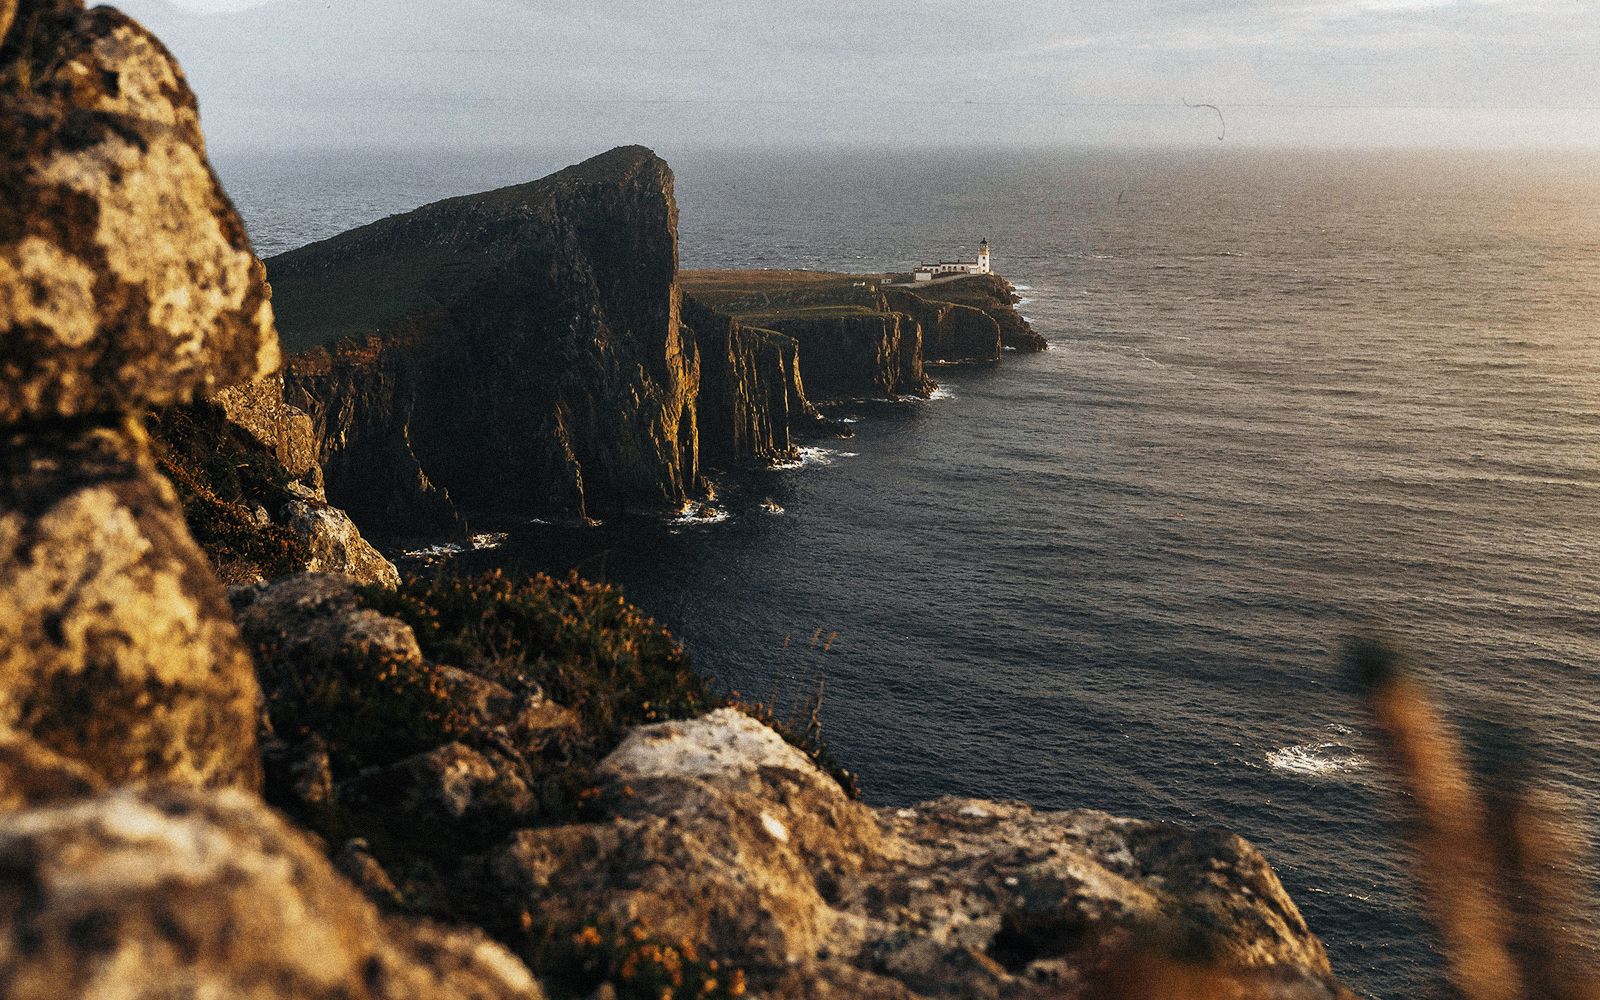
(983,257)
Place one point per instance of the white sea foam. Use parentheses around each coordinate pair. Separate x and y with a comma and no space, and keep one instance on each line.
(943,392)
(696,514)
(1024,300)
(444,550)
(811,455)
(1316,760)
(772,507)
(441,551)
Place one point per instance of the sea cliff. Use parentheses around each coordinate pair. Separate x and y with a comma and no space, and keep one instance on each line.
(535,350)
(313,787)
(519,350)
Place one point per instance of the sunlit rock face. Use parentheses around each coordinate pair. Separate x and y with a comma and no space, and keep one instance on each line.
(126,277)
(139,895)
(116,645)
(720,835)
(126,281)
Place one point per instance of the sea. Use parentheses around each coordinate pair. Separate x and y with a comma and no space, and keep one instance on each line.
(1292,398)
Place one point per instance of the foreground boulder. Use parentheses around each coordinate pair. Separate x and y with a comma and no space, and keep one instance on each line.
(126,277)
(116,644)
(724,840)
(126,281)
(173,893)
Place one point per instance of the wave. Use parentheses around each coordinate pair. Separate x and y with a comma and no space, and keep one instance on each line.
(444,550)
(1316,760)
(810,455)
(695,514)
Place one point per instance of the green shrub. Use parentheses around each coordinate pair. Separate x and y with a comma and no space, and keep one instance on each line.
(581,642)
(221,475)
(371,707)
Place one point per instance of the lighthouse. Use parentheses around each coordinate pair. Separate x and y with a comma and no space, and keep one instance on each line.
(955,268)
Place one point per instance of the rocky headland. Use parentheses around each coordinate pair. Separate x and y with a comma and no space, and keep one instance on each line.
(344,784)
(535,350)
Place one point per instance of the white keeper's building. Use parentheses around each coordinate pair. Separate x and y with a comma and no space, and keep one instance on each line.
(945,268)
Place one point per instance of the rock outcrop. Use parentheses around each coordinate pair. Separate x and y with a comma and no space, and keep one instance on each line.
(116,646)
(993,296)
(530,357)
(259,409)
(147,895)
(254,517)
(125,275)
(334,544)
(126,281)
(718,836)
(858,354)
(950,332)
(752,396)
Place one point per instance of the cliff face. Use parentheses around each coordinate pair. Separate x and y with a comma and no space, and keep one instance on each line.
(531,355)
(858,353)
(751,393)
(993,296)
(360,398)
(950,332)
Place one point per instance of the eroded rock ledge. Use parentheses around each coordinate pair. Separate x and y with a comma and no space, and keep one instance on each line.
(718,834)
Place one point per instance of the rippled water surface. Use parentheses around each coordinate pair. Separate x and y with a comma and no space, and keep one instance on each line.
(1291,397)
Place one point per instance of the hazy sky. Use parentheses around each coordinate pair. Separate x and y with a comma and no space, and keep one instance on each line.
(677,72)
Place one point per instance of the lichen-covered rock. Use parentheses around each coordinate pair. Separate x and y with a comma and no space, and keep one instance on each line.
(336,545)
(445,786)
(363,722)
(126,277)
(172,893)
(527,717)
(719,835)
(116,645)
(259,408)
(316,619)
(32,774)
